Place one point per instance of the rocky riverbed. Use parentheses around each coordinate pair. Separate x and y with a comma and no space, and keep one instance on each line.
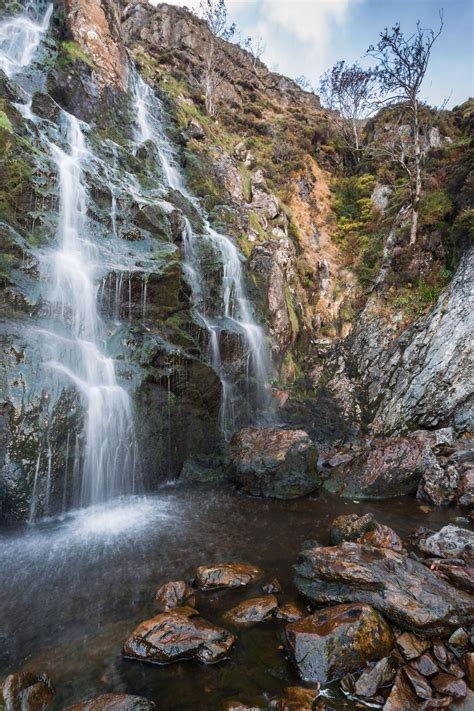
(202,598)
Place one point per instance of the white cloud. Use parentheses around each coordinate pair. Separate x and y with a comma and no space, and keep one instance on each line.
(297,33)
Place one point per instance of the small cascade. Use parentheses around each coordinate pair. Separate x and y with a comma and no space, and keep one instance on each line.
(234,312)
(20,37)
(77,343)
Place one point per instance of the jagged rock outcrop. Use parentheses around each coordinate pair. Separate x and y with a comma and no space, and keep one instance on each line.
(425,377)
(95,26)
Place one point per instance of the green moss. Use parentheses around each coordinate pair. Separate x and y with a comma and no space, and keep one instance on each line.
(70,52)
(295,326)
(358,230)
(435,207)
(5,122)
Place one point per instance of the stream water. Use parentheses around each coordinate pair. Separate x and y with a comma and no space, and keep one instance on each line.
(74,588)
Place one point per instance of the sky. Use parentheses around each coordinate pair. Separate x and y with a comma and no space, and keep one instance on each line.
(306,37)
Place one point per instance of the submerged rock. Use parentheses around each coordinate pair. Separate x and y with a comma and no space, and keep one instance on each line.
(174,594)
(25,691)
(114,702)
(226,575)
(250,612)
(401,588)
(178,634)
(274,462)
(336,640)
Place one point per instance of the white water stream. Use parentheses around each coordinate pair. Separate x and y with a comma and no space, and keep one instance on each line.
(19,40)
(234,312)
(74,343)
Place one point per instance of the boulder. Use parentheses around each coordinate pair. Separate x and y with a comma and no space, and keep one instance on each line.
(336,640)
(274,462)
(350,527)
(114,702)
(174,594)
(404,590)
(226,575)
(178,634)
(382,468)
(250,612)
(450,542)
(25,691)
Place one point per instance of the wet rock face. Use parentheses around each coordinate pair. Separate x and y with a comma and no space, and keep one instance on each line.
(383,469)
(339,639)
(250,612)
(114,702)
(404,590)
(273,264)
(27,692)
(226,575)
(95,26)
(274,462)
(416,379)
(178,634)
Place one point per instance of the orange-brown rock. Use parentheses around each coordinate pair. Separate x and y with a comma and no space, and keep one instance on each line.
(114,702)
(226,575)
(174,594)
(249,612)
(178,634)
(449,685)
(291,612)
(25,691)
(402,697)
(383,537)
(95,26)
(336,640)
(412,646)
(296,698)
(469,666)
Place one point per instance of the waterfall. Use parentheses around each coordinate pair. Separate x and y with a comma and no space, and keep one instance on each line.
(73,341)
(234,312)
(19,39)
(108,465)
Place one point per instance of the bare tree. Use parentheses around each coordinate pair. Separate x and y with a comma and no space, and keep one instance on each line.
(216,69)
(350,91)
(303,83)
(255,47)
(403,62)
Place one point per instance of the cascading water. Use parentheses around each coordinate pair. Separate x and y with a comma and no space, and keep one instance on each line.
(234,312)
(19,40)
(78,344)
(73,339)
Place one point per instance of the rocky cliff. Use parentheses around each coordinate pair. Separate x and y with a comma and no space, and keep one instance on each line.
(367,335)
